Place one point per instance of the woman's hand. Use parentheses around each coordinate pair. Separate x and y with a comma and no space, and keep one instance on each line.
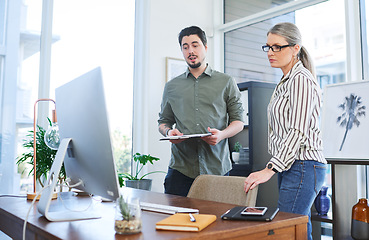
(256,178)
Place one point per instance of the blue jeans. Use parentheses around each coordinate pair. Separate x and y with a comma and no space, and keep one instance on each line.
(177,183)
(299,186)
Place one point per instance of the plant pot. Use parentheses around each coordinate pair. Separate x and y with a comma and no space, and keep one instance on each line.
(144,184)
(236,157)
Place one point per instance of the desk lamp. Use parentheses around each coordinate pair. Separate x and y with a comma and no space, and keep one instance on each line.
(51,139)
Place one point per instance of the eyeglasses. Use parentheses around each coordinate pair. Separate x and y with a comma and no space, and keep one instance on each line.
(275,48)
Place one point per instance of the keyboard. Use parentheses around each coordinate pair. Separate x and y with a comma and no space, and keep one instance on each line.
(166,208)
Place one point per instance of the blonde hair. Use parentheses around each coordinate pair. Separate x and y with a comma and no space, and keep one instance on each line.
(293,36)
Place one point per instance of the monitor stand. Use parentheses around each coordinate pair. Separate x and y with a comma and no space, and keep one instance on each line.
(45,200)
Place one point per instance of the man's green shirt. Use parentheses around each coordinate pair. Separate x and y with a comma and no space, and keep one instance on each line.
(192,105)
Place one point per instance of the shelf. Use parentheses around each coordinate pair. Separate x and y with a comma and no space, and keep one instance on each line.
(344,209)
(255,98)
(321,218)
(348,161)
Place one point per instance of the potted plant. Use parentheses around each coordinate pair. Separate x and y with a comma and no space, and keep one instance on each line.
(127,216)
(133,179)
(44,156)
(236,152)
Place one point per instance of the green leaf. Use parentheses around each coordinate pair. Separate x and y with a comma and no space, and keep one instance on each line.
(44,155)
(141,160)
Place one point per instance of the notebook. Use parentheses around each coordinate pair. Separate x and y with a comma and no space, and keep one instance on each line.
(235,214)
(182,222)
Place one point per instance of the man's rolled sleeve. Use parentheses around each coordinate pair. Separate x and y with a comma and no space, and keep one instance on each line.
(234,103)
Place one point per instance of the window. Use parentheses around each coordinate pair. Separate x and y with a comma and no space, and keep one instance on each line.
(2,22)
(86,34)
(325,42)
(244,58)
(236,9)
(364,10)
(323,34)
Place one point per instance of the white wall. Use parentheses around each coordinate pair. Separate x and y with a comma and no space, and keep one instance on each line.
(158,23)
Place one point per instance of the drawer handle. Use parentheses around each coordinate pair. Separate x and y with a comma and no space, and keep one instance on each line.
(271,232)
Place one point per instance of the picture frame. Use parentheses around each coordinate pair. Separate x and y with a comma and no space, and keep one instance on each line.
(345,120)
(174,67)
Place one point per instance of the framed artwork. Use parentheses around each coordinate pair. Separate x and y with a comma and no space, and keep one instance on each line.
(174,67)
(345,124)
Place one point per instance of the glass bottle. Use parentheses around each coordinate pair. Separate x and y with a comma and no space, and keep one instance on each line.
(360,220)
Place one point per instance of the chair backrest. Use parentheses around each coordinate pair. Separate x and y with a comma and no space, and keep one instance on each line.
(226,189)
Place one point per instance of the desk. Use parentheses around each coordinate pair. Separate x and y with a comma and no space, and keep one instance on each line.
(13,212)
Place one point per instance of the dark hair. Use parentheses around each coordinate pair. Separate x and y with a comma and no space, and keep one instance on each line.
(293,36)
(193,30)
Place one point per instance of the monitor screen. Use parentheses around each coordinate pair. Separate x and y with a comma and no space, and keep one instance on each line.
(88,155)
(82,116)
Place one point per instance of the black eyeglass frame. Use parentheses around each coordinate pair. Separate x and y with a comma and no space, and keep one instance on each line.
(279,48)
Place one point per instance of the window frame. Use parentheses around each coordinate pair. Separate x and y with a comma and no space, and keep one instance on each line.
(364,40)
(8,91)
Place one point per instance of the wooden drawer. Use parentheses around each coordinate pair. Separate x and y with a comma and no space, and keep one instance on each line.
(272,234)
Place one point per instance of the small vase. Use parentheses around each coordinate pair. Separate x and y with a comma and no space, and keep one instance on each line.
(127,216)
(322,201)
(360,220)
(236,157)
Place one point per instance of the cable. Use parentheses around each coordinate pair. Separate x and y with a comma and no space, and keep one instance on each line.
(75,185)
(16,196)
(29,210)
(83,210)
(39,193)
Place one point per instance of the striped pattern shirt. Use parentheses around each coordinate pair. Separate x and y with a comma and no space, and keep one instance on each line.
(293,119)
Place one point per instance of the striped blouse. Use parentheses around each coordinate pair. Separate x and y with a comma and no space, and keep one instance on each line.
(293,119)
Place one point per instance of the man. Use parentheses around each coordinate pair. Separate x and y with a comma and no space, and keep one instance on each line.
(200,100)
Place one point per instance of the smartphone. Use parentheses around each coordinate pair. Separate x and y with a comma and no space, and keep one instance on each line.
(254,211)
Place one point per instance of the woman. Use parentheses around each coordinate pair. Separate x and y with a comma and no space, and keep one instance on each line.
(294,138)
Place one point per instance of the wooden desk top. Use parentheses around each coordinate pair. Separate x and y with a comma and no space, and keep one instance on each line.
(14,210)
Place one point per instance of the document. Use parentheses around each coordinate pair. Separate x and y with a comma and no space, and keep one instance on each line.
(182,222)
(198,135)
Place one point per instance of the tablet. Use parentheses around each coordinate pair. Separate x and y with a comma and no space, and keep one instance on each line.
(235,214)
(259,211)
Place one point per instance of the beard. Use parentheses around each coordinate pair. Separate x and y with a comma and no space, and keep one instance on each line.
(195,65)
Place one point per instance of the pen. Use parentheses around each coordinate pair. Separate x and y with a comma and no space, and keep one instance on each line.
(192,218)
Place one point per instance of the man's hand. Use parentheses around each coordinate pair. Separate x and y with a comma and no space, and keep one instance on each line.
(214,138)
(175,132)
(218,135)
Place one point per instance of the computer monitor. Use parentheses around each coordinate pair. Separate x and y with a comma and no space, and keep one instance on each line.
(85,146)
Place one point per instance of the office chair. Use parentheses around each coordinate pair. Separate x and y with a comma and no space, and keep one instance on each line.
(225,189)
